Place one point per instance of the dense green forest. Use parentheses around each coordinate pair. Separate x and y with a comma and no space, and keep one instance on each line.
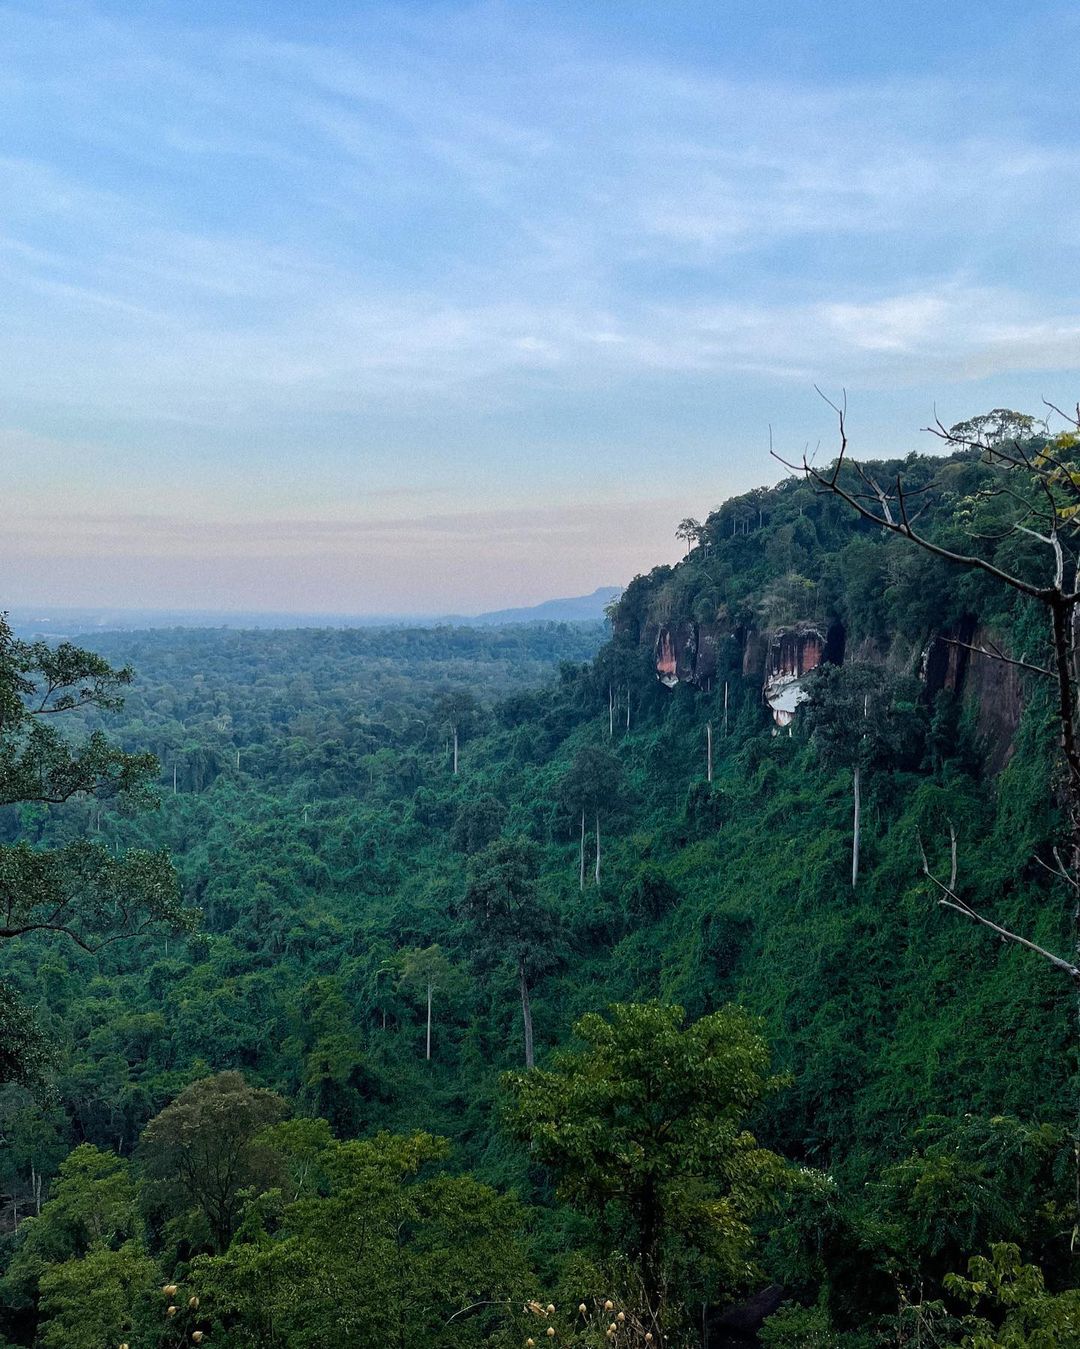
(422,860)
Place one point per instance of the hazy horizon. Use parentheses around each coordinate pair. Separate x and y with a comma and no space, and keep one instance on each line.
(29,612)
(458,306)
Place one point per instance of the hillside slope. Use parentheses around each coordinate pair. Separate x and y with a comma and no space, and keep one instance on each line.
(324,841)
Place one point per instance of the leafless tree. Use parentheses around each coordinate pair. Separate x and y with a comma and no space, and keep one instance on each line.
(1036,474)
(1043,481)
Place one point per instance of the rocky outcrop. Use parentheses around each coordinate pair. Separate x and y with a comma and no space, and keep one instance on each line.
(676,654)
(693,653)
(755,646)
(996,691)
(945,660)
(793,653)
(701,653)
(689,653)
(990,687)
(667,661)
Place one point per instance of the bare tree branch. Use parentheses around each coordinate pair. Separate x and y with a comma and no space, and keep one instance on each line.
(995,653)
(949,899)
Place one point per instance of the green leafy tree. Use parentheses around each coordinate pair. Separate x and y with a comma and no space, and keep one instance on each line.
(967,1188)
(98,1299)
(93,1206)
(376,1255)
(32,1145)
(1014,1308)
(478,823)
(593,785)
(428,969)
(456,710)
(689,532)
(79,890)
(506,922)
(643,1127)
(204,1149)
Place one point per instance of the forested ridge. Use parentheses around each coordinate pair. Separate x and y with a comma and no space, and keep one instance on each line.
(410,850)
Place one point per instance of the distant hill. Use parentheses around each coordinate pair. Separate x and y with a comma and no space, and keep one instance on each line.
(578,609)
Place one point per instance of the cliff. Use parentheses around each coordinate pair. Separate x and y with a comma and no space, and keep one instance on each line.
(807,583)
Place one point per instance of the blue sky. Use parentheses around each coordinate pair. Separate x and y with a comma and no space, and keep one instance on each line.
(415,307)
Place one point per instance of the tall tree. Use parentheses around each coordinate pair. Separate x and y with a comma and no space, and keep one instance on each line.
(79,890)
(643,1127)
(428,969)
(92,1207)
(506,922)
(855,714)
(690,532)
(592,787)
(456,710)
(373,1254)
(204,1149)
(1025,539)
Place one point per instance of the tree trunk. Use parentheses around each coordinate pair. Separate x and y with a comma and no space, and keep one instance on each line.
(581,854)
(429,1021)
(526,1015)
(725,707)
(597,847)
(610,712)
(628,707)
(652,1283)
(455,751)
(856,833)
(708,749)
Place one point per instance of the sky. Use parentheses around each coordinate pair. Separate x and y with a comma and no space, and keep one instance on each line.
(424,307)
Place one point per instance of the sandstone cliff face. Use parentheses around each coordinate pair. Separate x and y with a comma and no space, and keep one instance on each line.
(998,697)
(792,653)
(676,654)
(693,653)
(689,653)
(991,688)
(945,660)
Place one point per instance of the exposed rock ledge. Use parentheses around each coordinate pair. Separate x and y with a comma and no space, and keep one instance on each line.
(693,653)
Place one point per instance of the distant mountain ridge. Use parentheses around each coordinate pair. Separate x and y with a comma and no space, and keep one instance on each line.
(57,622)
(576,609)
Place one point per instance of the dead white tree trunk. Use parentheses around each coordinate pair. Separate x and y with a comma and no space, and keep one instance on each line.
(597,847)
(856,833)
(581,854)
(708,749)
(526,1015)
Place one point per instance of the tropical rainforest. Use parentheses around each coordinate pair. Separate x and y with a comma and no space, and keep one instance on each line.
(703,978)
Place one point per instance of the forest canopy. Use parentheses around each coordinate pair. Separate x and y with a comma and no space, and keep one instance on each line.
(408,867)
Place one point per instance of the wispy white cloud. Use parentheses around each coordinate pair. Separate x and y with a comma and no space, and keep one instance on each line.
(459,229)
